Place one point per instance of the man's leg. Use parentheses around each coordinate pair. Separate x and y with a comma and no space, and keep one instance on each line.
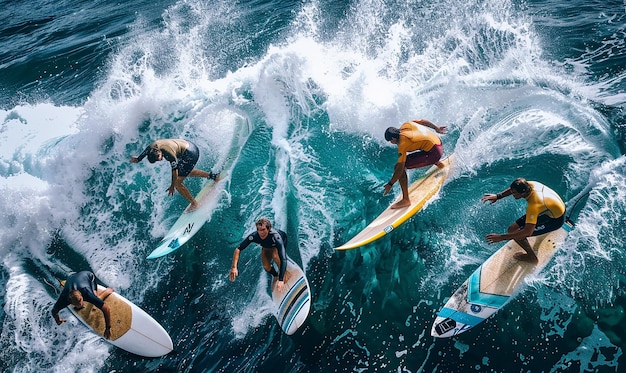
(199,173)
(266,258)
(182,189)
(530,255)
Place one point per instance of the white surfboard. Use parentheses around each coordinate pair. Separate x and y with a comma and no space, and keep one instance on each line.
(190,222)
(498,280)
(294,302)
(132,329)
(420,192)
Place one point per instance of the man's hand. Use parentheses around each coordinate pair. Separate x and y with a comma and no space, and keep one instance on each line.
(233,274)
(387,189)
(494,237)
(488,197)
(170,190)
(280,286)
(107,333)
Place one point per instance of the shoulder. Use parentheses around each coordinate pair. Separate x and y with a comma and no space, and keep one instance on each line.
(408,126)
(253,236)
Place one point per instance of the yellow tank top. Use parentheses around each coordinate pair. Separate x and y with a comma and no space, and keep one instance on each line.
(415,137)
(543,200)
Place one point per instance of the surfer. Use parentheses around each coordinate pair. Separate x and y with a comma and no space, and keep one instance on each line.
(273,247)
(183,156)
(417,148)
(545,213)
(81,287)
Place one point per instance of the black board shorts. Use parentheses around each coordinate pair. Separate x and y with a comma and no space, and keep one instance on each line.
(545,224)
(187,161)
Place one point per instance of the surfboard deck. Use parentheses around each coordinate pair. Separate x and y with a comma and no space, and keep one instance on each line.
(420,192)
(294,303)
(190,222)
(132,329)
(492,285)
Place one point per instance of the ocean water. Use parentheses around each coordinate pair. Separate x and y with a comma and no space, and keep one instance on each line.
(529,89)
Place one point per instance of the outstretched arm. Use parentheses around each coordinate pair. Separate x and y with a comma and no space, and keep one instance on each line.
(234,272)
(398,171)
(58,306)
(170,190)
(141,156)
(489,197)
(429,124)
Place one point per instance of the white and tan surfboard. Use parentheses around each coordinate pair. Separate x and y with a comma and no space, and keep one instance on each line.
(132,329)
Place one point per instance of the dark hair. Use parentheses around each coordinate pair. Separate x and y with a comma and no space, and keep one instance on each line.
(152,155)
(392,133)
(264,222)
(520,185)
(74,296)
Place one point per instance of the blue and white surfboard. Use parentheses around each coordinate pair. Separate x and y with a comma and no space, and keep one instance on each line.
(294,302)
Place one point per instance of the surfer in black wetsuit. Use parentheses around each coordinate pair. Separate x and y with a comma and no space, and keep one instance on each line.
(81,287)
(182,156)
(273,243)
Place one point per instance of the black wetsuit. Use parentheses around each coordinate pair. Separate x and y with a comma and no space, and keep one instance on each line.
(83,281)
(275,238)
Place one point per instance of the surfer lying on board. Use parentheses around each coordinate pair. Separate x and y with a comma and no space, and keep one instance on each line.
(417,148)
(545,213)
(183,156)
(81,287)
(273,247)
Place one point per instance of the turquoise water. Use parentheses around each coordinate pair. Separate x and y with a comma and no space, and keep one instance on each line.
(527,89)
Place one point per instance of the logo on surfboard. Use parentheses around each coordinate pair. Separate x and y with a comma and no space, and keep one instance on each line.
(388,228)
(188,229)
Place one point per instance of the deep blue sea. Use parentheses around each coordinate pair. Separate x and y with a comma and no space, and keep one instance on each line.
(533,89)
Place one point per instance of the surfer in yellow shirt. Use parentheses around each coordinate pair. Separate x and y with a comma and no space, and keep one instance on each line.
(182,156)
(545,213)
(417,147)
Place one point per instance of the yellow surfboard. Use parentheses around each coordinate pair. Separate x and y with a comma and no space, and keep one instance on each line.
(420,192)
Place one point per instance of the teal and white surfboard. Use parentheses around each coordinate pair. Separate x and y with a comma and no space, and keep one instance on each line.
(494,284)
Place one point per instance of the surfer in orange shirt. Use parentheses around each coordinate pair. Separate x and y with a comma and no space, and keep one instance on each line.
(545,213)
(417,147)
(182,156)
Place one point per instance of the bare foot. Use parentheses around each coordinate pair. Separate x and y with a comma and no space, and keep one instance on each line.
(194,205)
(440,164)
(401,203)
(523,257)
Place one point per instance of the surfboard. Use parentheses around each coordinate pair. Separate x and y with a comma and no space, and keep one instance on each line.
(492,285)
(294,302)
(190,222)
(420,192)
(132,329)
